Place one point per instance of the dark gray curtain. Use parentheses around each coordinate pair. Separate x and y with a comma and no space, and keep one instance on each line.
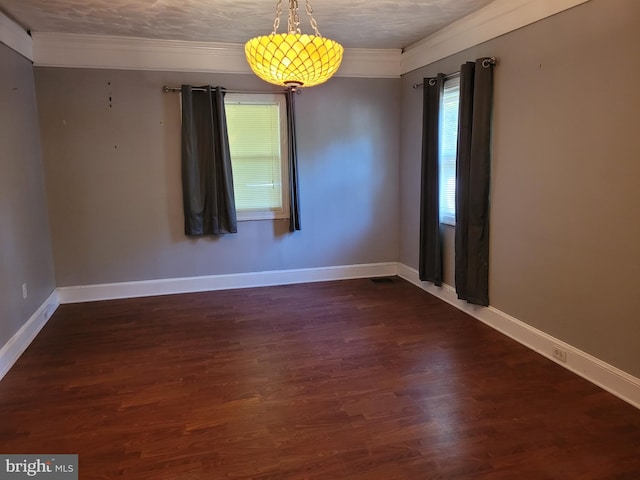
(207,182)
(474,179)
(294,201)
(430,268)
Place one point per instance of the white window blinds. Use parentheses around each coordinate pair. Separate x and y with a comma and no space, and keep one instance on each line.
(257,140)
(447,149)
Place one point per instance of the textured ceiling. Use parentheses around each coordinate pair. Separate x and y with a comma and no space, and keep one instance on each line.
(354,23)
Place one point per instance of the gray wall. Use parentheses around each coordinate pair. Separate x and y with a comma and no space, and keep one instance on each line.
(565,214)
(25,248)
(112,161)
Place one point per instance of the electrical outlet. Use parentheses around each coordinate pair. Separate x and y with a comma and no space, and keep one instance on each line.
(559,354)
(24,291)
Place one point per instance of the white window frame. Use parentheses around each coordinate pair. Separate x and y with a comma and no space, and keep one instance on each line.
(447,216)
(268,99)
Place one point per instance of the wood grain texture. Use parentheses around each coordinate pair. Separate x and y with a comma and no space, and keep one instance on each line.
(339,380)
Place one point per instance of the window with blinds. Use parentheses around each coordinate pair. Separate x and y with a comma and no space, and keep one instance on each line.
(448,147)
(258,143)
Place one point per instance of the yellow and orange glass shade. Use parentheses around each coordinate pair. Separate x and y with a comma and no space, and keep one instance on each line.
(294,59)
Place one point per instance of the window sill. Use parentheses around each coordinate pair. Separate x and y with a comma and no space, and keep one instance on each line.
(258,216)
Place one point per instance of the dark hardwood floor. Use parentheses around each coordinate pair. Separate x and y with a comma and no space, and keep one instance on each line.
(339,380)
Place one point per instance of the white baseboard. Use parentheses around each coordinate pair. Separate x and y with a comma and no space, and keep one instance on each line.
(11,351)
(110,291)
(608,377)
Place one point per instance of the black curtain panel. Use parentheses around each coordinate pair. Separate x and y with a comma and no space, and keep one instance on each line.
(473,181)
(294,201)
(207,181)
(430,268)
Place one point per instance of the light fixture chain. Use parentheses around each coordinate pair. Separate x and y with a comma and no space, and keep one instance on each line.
(276,21)
(294,18)
(312,20)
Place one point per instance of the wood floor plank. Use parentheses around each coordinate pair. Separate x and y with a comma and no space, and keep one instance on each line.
(337,380)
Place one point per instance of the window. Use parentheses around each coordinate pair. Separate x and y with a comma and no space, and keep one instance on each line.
(257,126)
(447,149)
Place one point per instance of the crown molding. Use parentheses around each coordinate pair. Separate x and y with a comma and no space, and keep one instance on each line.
(372,63)
(15,37)
(497,18)
(127,53)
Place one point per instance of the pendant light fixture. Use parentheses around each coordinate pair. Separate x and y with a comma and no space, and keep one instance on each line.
(293,59)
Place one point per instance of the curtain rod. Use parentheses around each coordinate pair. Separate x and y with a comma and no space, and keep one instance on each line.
(167,89)
(485,63)
(446,77)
